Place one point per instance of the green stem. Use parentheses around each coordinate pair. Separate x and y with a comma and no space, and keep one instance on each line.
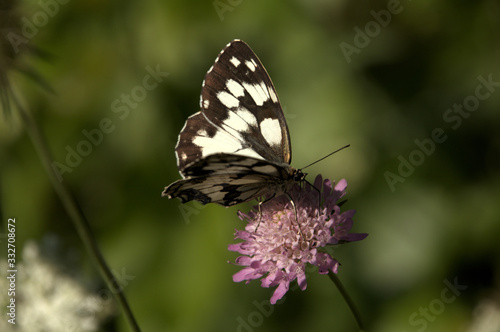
(76,214)
(347,298)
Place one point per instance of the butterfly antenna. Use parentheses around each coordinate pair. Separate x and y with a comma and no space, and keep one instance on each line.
(328,155)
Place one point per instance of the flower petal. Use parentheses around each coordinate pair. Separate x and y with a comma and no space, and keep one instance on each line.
(243,274)
(280,291)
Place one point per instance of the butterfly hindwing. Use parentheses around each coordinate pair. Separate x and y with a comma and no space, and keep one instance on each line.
(227,179)
(240,112)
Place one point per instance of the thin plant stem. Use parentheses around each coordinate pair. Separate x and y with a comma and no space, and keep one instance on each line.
(75,213)
(348,300)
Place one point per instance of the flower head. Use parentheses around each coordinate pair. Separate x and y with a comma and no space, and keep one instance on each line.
(278,242)
(49,294)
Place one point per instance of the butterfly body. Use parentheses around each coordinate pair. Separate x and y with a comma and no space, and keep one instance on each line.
(237,147)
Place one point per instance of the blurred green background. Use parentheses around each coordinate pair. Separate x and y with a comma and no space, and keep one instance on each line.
(378,75)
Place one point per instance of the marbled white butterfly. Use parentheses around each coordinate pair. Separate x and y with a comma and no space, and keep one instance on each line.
(237,148)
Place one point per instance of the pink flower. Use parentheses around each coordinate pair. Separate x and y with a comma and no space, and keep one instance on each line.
(277,250)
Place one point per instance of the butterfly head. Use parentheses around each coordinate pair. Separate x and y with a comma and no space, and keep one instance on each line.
(299,176)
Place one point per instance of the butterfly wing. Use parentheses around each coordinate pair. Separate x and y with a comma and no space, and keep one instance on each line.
(240,113)
(228,179)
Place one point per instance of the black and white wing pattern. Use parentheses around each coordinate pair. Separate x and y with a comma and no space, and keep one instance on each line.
(237,148)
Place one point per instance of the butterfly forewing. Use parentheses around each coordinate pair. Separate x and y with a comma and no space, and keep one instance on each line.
(240,112)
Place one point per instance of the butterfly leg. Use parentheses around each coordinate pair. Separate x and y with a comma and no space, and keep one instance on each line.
(260,210)
(319,195)
(296,218)
(319,199)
